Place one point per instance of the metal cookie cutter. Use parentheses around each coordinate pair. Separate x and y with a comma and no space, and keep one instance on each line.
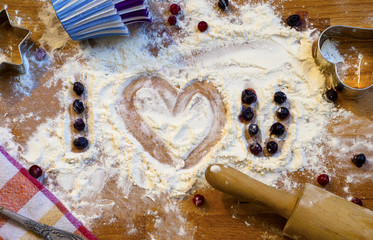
(12,44)
(330,69)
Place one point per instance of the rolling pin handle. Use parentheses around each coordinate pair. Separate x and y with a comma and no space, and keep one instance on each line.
(236,183)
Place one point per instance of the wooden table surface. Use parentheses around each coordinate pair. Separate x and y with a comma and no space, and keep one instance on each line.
(223,217)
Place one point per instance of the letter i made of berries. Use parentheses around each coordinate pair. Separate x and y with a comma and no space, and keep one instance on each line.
(80,142)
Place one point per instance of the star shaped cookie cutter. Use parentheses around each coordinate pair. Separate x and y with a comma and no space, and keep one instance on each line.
(330,69)
(12,42)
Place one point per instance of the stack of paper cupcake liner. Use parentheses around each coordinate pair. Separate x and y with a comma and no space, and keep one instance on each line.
(132,11)
(84,19)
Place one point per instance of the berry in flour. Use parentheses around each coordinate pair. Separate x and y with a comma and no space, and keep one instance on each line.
(272,147)
(280,97)
(253,129)
(78,106)
(282,113)
(248,96)
(277,129)
(78,88)
(175,9)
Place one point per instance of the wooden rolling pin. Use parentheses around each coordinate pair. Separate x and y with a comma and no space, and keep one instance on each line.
(315,214)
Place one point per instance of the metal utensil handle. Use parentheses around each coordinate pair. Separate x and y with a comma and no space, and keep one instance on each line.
(45,231)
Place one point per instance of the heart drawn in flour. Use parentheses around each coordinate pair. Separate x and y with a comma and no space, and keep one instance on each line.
(172,125)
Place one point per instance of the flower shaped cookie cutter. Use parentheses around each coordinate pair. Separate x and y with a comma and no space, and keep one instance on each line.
(330,68)
(12,44)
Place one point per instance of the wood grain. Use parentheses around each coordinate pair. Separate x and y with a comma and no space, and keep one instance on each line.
(223,217)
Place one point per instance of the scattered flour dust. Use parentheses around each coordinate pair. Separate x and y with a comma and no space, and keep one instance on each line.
(4,56)
(256,51)
(55,37)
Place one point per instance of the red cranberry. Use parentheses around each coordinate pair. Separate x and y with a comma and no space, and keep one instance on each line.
(248,96)
(323,179)
(198,200)
(172,20)
(357,201)
(40,54)
(202,26)
(175,9)
(35,171)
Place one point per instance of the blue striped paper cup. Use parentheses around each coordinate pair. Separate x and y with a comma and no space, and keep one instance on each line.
(84,19)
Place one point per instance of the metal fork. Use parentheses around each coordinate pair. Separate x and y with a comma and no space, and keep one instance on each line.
(43,230)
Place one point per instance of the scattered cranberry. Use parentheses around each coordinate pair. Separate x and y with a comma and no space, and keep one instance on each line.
(277,129)
(282,113)
(174,9)
(247,114)
(78,106)
(223,4)
(323,179)
(331,95)
(198,200)
(253,129)
(78,88)
(79,124)
(294,20)
(357,201)
(280,97)
(272,147)
(172,20)
(359,160)
(81,142)
(255,148)
(248,96)
(35,171)
(202,26)
(40,54)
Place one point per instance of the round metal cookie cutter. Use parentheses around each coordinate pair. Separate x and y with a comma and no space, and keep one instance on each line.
(330,69)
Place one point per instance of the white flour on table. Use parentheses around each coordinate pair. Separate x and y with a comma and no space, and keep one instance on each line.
(251,50)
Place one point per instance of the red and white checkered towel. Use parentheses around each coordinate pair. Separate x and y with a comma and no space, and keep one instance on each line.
(22,193)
